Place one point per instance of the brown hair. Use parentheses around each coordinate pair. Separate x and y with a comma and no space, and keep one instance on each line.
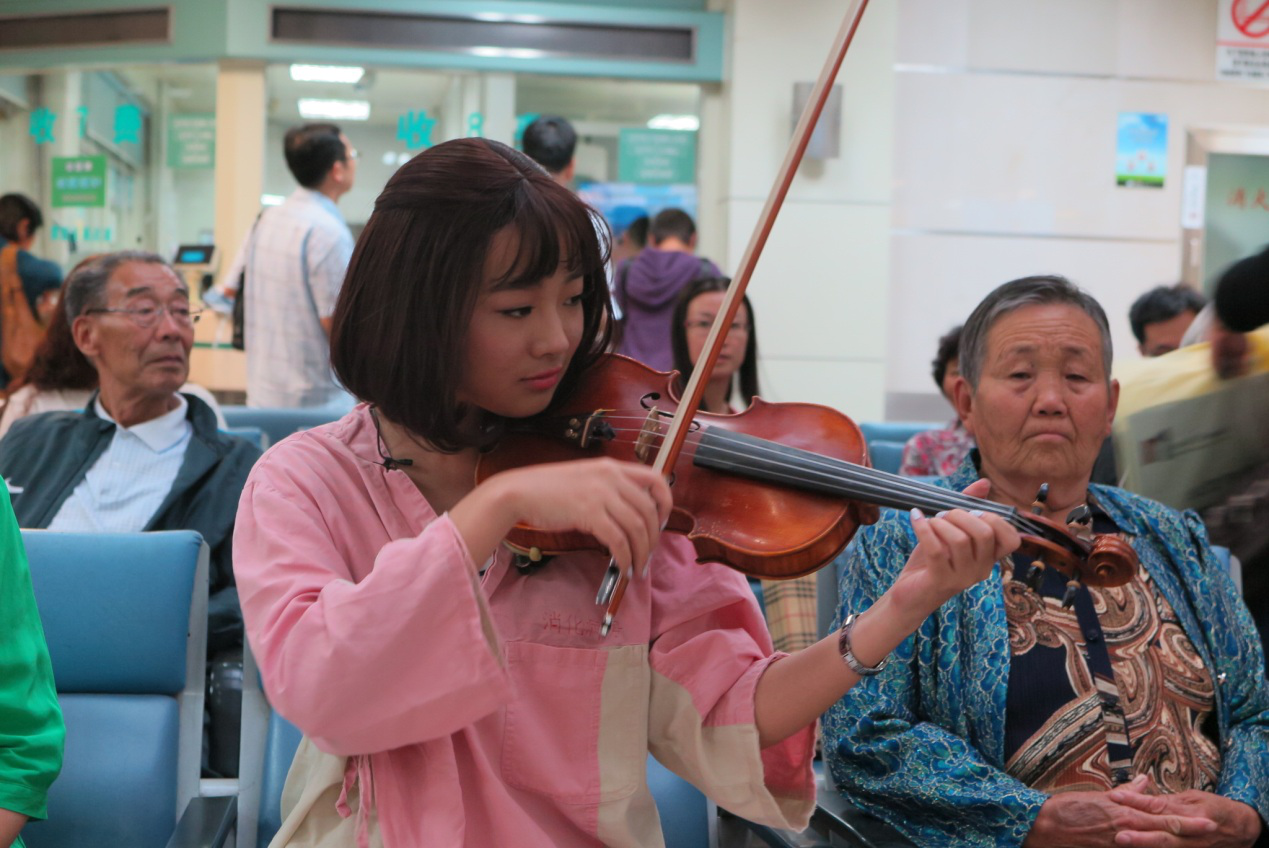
(402,318)
(58,363)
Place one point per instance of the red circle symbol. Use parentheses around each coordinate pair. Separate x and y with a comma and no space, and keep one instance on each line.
(1251,17)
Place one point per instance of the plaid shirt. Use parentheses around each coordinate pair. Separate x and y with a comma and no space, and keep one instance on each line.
(296,260)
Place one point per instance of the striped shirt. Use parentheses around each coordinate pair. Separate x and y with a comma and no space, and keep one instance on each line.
(128,482)
(296,260)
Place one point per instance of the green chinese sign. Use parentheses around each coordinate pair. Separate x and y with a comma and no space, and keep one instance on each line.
(79,181)
(191,141)
(656,156)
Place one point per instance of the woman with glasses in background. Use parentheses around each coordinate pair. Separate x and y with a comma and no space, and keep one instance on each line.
(789,605)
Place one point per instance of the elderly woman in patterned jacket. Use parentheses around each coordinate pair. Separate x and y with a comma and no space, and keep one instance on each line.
(1136,716)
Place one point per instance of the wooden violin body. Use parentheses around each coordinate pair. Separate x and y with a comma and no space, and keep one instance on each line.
(620,411)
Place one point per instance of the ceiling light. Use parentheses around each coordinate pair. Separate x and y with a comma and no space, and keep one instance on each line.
(327,73)
(685,123)
(271,199)
(508,52)
(501,18)
(334,110)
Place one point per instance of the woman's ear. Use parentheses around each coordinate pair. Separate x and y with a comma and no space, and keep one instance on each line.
(963,400)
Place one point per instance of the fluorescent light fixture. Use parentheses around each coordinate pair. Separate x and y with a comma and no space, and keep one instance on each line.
(327,73)
(508,52)
(271,199)
(334,110)
(502,18)
(685,123)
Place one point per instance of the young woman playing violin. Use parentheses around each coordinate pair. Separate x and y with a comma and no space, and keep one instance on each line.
(448,697)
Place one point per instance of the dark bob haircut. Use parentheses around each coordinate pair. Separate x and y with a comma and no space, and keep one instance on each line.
(401,322)
(747,375)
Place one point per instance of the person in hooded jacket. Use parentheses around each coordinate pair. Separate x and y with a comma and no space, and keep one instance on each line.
(647,287)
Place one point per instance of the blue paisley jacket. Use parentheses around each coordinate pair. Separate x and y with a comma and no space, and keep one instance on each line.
(921,745)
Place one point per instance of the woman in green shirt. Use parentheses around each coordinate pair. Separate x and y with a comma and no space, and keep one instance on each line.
(31,729)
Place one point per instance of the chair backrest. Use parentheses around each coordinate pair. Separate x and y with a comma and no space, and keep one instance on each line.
(886,440)
(125,617)
(684,810)
(254,435)
(277,424)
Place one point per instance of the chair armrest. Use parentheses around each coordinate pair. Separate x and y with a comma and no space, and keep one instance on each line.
(206,823)
(835,822)
(840,818)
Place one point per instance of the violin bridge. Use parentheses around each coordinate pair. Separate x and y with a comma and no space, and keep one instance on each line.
(649,436)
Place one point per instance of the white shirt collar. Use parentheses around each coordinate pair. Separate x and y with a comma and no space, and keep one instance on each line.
(158,434)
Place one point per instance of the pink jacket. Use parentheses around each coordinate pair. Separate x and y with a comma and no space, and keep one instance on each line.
(487,708)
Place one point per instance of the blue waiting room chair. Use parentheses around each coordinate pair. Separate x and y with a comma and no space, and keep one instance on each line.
(886,440)
(276,424)
(125,617)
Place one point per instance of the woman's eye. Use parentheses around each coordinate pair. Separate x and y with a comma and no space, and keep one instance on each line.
(575,300)
(518,312)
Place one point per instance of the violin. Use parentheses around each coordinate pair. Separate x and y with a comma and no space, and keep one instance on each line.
(776,491)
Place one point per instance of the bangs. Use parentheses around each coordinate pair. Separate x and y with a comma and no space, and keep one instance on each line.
(549,219)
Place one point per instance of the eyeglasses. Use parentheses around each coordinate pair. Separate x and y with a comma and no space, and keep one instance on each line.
(148,316)
(736,326)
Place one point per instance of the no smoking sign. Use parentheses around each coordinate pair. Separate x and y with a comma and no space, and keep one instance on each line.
(1242,41)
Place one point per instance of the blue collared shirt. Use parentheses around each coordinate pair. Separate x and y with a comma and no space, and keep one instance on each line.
(128,482)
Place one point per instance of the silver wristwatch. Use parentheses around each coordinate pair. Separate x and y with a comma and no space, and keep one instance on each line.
(852,662)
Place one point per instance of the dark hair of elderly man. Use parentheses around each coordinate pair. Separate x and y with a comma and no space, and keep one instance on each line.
(141,455)
(1160,317)
(1033,711)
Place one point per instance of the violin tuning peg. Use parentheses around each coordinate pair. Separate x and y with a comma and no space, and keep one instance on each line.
(1068,598)
(1041,497)
(1080,515)
(1034,576)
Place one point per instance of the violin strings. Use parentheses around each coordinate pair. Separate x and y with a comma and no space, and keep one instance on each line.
(869,482)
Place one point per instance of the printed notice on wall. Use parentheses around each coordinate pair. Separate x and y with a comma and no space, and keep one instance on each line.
(1242,40)
(1193,196)
(1141,149)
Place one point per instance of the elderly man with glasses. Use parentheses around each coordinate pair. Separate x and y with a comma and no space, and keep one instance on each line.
(141,455)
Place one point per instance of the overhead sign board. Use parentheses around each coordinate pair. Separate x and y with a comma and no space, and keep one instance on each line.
(656,156)
(79,181)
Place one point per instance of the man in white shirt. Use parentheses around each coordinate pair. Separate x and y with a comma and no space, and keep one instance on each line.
(294,261)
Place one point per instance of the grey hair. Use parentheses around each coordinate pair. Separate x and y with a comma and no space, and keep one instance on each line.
(86,288)
(1040,290)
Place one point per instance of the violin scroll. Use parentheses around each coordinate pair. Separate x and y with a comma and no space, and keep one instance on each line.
(1111,562)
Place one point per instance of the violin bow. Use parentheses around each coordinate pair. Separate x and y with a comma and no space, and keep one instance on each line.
(614,585)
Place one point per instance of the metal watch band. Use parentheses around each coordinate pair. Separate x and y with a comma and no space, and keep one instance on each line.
(852,662)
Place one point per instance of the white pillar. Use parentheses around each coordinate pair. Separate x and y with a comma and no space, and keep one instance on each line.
(240,138)
(819,290)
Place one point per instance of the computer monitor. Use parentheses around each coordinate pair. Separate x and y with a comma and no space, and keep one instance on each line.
(194,255)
